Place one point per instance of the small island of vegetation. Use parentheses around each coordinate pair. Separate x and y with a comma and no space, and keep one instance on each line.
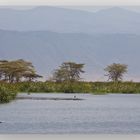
(19,76)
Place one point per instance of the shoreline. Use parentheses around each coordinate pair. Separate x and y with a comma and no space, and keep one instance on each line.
(46,98)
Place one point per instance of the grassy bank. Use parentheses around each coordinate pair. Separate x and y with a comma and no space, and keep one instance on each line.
(76,87)
(8,91)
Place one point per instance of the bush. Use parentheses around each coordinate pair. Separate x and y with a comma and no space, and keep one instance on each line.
(9,89)
(7,94)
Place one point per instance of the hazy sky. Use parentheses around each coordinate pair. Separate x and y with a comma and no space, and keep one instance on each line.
(97,8)
(86,8)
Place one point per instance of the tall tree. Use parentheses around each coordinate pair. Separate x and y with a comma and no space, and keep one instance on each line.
(68,71)
(14,71)
(116,71)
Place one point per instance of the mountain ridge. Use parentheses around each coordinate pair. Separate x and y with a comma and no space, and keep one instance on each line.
(71,21)
(47,50)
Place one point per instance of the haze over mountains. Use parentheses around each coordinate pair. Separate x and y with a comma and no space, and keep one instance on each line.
(48,36)
(56,19)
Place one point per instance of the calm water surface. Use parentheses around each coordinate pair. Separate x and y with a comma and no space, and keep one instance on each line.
(97,114)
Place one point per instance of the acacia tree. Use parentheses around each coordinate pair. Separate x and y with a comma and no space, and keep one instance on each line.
(68,71)
(14,71)
(116,71)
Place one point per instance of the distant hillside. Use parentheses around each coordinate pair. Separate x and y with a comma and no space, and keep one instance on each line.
(47,50)
(113,20)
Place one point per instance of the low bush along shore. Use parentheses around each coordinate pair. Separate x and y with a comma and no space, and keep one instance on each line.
(8,91)
(79,87)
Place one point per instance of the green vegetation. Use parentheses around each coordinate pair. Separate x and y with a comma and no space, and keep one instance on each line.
(8,92)
(18,76)
(116,87)
(16,71)
(75,87)
(115,71)
(68,72)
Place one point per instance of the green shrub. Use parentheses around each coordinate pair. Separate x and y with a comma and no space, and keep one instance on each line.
(7,89)
(7,94)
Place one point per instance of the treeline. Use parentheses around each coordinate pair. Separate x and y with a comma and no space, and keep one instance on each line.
(21,70)
(20,76)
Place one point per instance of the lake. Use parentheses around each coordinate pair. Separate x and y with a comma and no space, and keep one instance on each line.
(96,114)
